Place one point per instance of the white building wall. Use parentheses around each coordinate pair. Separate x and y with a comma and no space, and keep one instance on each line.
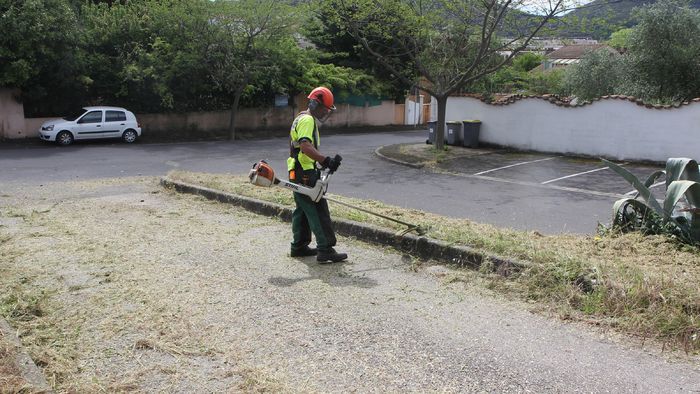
(612,128)
(414,112)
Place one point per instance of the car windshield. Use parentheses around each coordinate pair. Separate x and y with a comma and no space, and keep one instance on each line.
(73,115)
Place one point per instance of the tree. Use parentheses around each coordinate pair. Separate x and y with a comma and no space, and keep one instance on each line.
(597,74)
(547,82)
(149,55)
(661,62)
(36,56)
(442,46)
(249,41)
(527,61)
(338,47)
(620,39)
(343,80)
(663,57)
(512,78)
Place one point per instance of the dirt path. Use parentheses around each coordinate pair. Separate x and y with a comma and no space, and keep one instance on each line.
(121,285)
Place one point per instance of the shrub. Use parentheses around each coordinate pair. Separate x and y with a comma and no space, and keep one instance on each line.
(647,215)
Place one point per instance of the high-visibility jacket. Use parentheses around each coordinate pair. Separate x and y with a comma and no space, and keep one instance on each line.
(303,128)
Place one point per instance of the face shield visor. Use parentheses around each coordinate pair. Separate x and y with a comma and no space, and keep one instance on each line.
(320,111)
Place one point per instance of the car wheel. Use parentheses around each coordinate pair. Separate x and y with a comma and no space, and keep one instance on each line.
(64,138)
(129,136)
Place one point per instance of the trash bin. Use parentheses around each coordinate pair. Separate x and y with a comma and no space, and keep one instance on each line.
(454,133)
(470,133)
(432,131)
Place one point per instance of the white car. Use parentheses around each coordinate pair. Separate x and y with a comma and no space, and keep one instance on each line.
(91,123)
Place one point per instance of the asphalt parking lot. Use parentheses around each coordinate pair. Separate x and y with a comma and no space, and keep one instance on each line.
(578,175)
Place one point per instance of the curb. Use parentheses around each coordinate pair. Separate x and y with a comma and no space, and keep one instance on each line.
(28,370)
(393,160)
(421,247)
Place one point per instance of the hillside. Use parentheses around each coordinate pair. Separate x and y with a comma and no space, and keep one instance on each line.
(599,18)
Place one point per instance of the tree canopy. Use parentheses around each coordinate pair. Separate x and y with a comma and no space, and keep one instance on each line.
(163,55)
(663,57)
(440,46)
(606,65)
(190,55)
(36,56)
(661,62)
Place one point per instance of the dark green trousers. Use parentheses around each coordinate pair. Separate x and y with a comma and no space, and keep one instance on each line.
(311,217)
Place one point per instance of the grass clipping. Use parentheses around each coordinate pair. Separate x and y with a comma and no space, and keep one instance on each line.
(11,380)
(644,286)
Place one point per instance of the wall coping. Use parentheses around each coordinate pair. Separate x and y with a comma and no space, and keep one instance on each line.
(566,103)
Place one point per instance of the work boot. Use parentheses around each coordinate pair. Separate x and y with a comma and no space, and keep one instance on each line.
(304,252)
(330,256)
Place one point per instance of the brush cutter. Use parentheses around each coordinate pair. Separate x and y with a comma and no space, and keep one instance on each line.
(263,175)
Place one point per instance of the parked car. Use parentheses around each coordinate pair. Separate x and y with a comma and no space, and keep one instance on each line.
(92,123)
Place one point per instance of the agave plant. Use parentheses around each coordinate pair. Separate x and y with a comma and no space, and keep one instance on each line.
(683,220)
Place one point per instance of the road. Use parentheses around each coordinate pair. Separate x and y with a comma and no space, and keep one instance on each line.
(502,202)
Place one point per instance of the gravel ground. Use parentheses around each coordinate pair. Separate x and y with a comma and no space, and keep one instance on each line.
(146,290)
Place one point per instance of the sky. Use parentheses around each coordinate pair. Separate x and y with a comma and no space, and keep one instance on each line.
(533,6)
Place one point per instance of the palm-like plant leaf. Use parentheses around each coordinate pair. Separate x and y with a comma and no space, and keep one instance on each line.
(678,189)
(682,180)
(691,191)
(680,169)
(653,177)
(641,188)
(629,213)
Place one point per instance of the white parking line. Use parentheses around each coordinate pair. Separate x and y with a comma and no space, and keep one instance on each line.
(513,165)
(573,175)
(654,185)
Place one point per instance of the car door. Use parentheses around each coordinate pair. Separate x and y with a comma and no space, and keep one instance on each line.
(90,125)
(115,123)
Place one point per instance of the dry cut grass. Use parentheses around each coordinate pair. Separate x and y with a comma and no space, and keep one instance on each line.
(88,298)
(11,380)
(648,287)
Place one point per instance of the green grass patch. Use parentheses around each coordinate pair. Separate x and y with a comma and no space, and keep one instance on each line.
(427,154)
(644,286)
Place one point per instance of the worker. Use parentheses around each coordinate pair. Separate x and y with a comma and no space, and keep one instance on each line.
(305,164)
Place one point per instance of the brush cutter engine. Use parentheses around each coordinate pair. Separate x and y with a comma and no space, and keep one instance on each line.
(263,175)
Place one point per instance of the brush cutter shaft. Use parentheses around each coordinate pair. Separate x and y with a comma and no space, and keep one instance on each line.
(315,193)
(371,213)
(263,175)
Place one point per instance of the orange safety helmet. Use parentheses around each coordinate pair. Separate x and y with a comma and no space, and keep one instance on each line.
(323,96)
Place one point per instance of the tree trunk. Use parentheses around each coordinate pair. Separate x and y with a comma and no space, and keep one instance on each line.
(440,132)
(234,109)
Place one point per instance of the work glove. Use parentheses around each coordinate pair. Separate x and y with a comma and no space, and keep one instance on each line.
(331,163)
